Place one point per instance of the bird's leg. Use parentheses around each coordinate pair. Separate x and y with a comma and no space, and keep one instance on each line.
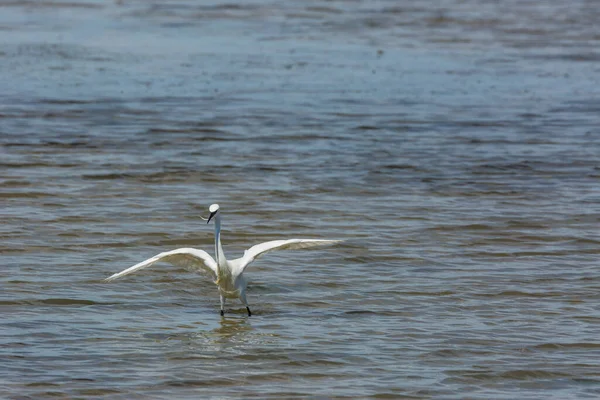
(243,299)
(222,304)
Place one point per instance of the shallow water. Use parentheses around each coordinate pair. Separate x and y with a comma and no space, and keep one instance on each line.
(455,149)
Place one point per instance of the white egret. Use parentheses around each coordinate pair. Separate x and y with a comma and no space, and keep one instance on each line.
(229,275)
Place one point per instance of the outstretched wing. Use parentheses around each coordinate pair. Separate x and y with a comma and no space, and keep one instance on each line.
(291,244)
(190,259)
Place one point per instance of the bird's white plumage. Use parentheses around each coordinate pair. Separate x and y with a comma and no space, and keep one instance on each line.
(229,274)
(290,244)
(188,258)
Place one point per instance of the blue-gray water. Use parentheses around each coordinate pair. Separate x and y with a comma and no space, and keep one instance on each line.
(454,145)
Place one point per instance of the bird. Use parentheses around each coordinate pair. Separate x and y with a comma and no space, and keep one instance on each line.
(228,274)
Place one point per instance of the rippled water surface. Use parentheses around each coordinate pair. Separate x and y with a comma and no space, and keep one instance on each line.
(455,147)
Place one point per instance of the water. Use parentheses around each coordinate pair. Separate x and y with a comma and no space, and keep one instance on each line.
(454,147)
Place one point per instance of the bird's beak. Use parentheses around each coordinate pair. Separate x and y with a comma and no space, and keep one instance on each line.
(210,217)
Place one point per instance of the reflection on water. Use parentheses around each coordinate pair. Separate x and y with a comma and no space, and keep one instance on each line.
(453,145)
(231,329)
(229,332)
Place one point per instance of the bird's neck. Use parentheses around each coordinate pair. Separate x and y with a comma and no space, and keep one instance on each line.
(218,247)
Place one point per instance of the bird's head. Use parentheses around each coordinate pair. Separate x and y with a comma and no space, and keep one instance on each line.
(213,209)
